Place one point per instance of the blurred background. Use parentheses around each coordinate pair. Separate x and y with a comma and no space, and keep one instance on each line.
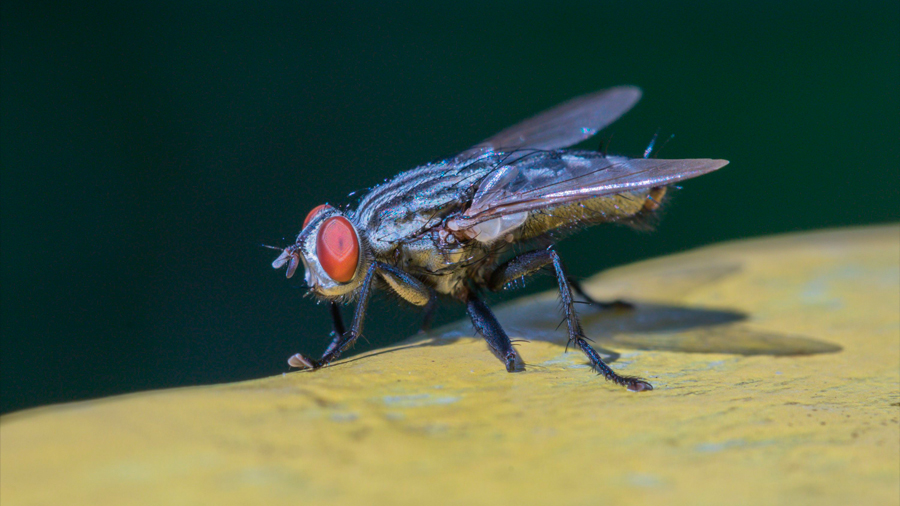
(147,150)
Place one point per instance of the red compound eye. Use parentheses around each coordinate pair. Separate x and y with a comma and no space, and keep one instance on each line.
(338,249)
(312,214)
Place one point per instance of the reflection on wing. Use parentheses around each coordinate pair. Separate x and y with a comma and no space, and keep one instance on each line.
(566,124)
(540,182)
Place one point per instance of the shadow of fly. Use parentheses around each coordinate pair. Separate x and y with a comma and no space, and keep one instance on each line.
(449,228)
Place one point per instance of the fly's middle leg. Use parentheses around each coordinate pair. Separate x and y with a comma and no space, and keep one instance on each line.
(487,325)
(529,263)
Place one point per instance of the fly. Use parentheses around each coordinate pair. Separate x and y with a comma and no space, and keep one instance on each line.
(448,228)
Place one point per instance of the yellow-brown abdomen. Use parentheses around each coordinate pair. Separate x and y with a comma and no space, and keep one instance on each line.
(654,198)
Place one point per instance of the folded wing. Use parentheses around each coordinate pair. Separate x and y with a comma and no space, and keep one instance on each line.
(510,192)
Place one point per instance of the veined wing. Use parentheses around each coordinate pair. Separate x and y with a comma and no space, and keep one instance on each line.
(566,124)
(546,180)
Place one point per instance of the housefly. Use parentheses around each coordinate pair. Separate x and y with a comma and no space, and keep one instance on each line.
(482,219)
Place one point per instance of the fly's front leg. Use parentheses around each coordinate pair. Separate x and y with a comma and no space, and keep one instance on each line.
(411,290)
(529,263)
(408,287)
(487,325)
(298,360)
(344,339)
(338,321)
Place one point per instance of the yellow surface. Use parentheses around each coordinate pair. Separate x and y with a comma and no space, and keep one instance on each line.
(776,364)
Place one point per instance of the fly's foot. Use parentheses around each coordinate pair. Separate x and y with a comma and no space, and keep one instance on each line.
(631,383)
(300,362)
(338,345)
(637,385)
(513,363)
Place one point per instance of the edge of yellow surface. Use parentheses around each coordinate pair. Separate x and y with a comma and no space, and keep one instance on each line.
(776,363)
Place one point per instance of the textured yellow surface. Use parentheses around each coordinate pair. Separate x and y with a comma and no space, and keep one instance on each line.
(776,364)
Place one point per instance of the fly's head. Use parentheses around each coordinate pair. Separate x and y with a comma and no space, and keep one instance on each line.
(331,252)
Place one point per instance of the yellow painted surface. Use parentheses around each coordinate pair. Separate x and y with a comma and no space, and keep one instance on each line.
(776,364)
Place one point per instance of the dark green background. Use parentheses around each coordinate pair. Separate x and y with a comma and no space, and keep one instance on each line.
(148,150)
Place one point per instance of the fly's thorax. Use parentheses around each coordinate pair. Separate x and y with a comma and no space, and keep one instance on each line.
(332,251)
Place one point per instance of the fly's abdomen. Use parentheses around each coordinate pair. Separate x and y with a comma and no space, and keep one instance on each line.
(611,208)
(654,199)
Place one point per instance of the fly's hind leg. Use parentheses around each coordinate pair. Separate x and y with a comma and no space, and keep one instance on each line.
(616,305)
(487,325)
(529,263)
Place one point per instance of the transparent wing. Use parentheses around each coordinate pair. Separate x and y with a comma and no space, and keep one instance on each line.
(539,183)
(566,124)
